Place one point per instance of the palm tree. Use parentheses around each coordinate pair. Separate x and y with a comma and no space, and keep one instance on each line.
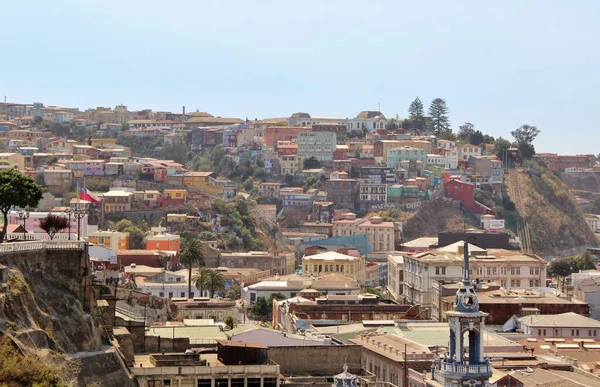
(214,282)
(191,254)
(199,280)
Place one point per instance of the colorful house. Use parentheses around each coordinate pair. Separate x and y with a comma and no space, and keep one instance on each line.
(173,197)
(203,181)
(164,242)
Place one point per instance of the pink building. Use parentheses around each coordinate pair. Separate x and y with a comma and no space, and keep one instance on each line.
(88,167)
(32,224)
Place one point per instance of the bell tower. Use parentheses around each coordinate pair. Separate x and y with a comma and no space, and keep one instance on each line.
(465,364)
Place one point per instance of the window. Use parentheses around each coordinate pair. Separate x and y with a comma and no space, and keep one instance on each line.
(170,294)
(489,271)
(503,271)
(518,282)
(518,270)
(437,270)
(531,271)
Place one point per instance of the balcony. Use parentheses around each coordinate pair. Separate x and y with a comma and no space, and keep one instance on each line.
(466,369)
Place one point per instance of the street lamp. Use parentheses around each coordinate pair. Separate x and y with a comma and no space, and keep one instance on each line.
(79,213)
(69,211)
(24,215)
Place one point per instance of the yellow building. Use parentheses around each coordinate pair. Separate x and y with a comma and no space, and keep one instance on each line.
(203,181)
(12,160)
(332,262)
(113,240)
(102,142)
(290,164)
(174,194)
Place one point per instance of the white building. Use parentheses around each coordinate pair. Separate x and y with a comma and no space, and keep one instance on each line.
(562,325)
(371,120)
(467,150)
(333,262)
(450,158)
(511,269)
(395,284)
(433,159)
(291,286)
(305,119)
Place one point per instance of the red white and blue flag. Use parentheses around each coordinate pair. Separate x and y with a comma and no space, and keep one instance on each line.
(85,194)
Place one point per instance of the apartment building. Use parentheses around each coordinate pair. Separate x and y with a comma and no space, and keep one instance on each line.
(396,155)
(511,269)
(371,194)
(113,240)
(269,190)
(343,192)
(319,145)
(86,167)
(164,242)
(380,234)
(274,134)
(116,201)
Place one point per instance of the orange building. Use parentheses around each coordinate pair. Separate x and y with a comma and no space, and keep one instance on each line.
(164,242)
(273,134)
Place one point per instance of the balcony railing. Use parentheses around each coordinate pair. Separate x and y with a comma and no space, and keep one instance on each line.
(41,245)
(40,236)
(466,368)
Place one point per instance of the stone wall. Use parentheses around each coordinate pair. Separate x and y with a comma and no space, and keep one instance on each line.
(321,360)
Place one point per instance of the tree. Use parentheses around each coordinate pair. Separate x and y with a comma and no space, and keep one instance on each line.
(276,297)
(392,125)
(199,280)
(17,189)
(311,163)
(229,322)
(438,112)
(559,268)
(416,114)
(234,294)
(191,254)
(52,224)
(261,308)
(123,224)
(465,131)
(37,120)
(476,138)
(214,282)
(500,147)
(373,291)
(176,151)
(524,137)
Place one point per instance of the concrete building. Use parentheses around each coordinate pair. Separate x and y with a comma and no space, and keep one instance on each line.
(305,119)
(164,242)
(560,162)
(269,190)
(396,155)
(116,201)
(395,285)
(565,325)
(380,234)
(450,158)
(511,269)
(388,357)
(58,181)
(372,195)
(319,145)
(333,262)
(343,192)
(467,150)
(274,134)
(113,240)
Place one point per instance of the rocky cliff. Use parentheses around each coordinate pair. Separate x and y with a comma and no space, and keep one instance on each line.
(45,307)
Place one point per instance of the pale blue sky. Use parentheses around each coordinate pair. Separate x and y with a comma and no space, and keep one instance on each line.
(499,64)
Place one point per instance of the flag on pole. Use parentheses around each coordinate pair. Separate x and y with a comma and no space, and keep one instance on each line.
(85,194)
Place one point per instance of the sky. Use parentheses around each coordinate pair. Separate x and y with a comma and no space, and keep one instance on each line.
(498,64)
